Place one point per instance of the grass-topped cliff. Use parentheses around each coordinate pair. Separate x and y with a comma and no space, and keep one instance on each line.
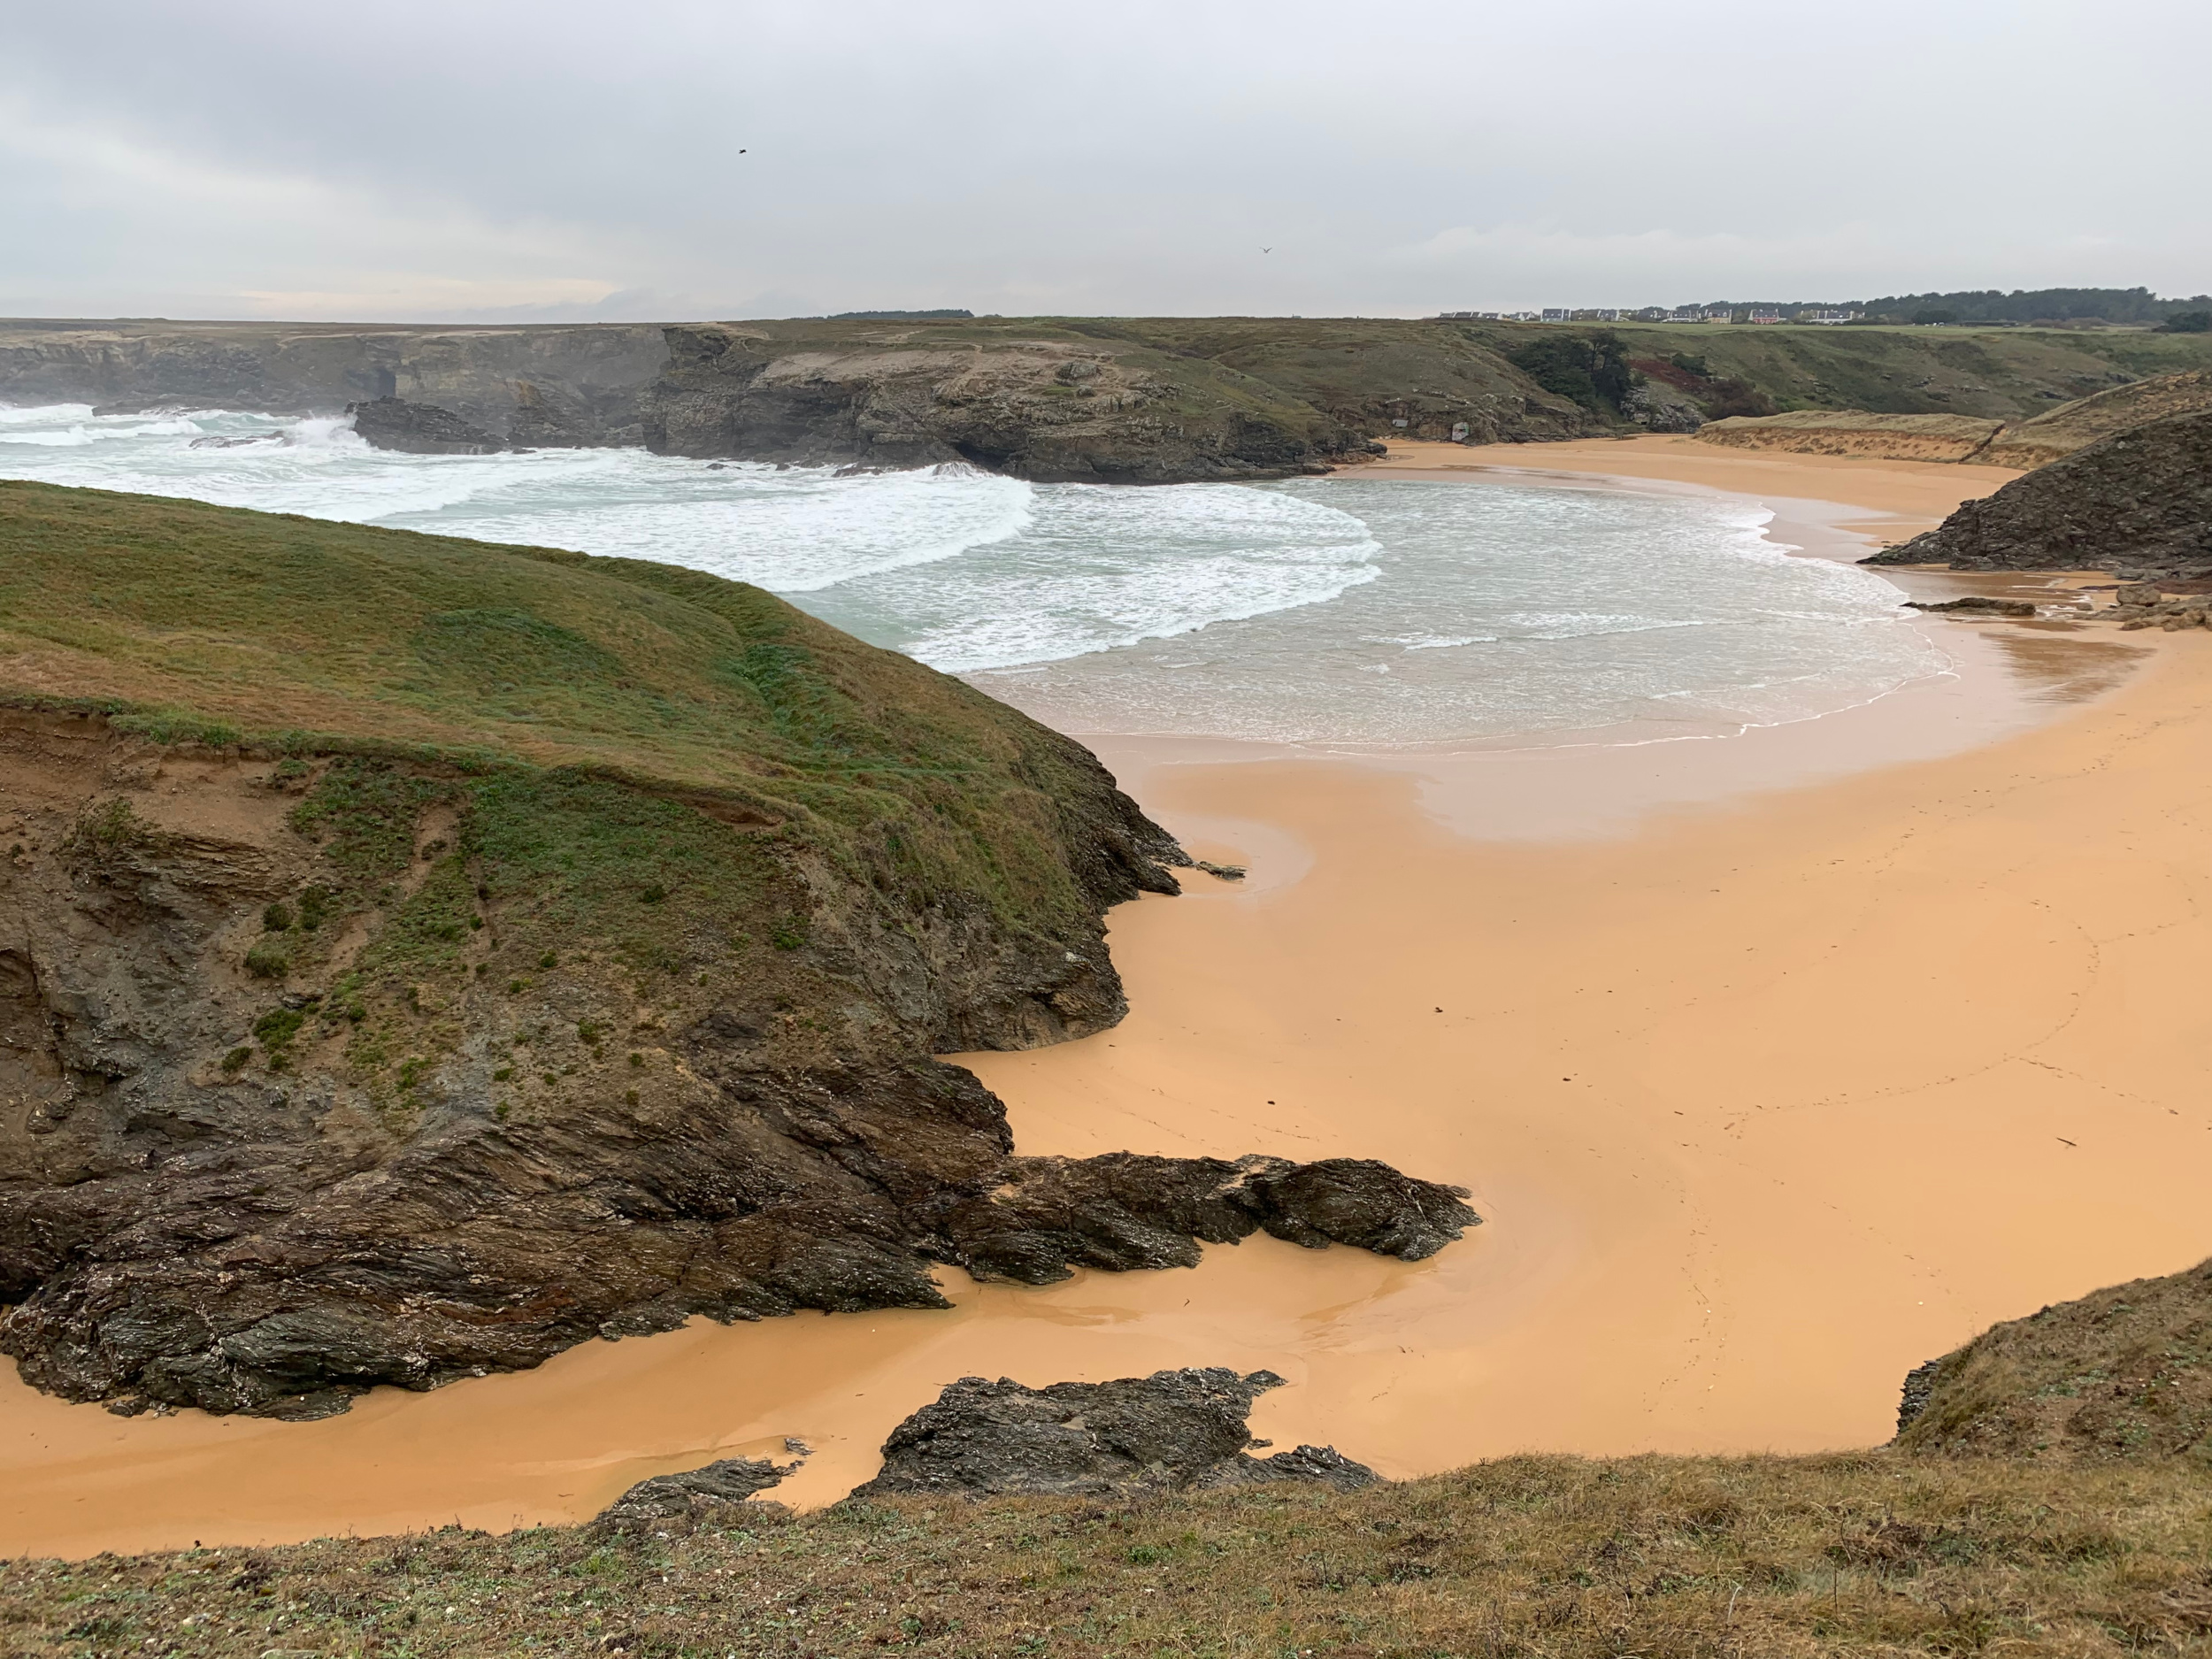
(1142,400)
(192,622)
(417,956)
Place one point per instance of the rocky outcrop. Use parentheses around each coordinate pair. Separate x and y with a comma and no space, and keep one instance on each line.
(1122,1211)
(392,423)
(464,1017)
(204,1206)
(716,1494)
(1976,606)
(2155,610)
(1137,1437)
(2115,1376)
(1657,406)
(1040,409)
(2138,504)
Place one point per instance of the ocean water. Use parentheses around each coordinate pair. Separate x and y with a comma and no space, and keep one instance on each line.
(1342,611)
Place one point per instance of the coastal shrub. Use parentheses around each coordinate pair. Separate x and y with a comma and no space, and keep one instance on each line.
(2188,323)
(278,1028)
(268,959)
(1732,396)
(277,918)
(1592,371)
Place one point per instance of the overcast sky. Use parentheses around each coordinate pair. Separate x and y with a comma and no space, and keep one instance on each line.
(479,160)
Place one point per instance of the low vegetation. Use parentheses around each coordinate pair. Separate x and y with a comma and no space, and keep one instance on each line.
(1873,1553)
(189,623)
(2120,1374)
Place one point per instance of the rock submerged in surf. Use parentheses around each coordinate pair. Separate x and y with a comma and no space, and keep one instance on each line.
(1136,1437)
(392,423)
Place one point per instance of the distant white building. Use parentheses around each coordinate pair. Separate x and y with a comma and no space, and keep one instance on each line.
(1766,317)
(1829,319)
(1686,316)
(1529,317)
(1601,315)
(1719,314)
(1556,314)
(1652,314)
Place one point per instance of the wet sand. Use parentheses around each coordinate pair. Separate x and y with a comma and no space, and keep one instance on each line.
(1886,500)
(1778,1063)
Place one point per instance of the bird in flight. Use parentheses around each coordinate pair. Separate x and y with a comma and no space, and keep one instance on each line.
(1263,250)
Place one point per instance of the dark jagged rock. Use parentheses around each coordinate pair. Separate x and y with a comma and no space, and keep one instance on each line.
(1136,1437)
(675,1505)
(1122,1211)
(2138,503)
(1912,1400)
(1977,606)
(392,423)
(322,1070)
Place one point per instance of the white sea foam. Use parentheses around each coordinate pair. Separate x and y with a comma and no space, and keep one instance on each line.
(1334,611)
(45,415)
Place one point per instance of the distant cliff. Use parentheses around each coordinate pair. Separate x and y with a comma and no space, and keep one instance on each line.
(1144,400)
(542,386)
(1039,407)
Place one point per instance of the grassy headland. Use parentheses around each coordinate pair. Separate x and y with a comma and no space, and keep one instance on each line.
(436,953)
(1864,1554)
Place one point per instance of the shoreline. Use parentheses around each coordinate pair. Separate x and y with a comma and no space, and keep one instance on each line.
(1768,1090)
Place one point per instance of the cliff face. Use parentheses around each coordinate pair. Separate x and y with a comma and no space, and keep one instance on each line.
(417,956)
(1042,408)
(2140,502)
(541,385)
(1127,399)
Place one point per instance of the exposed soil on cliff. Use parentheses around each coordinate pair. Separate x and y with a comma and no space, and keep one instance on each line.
(579,974)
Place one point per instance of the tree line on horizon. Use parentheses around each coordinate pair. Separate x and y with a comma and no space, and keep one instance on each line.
(2137,306)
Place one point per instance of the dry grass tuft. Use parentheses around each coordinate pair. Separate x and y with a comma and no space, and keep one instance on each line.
(1654,1556)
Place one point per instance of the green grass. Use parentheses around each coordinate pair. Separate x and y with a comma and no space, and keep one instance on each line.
(1557,1557)
(193,624)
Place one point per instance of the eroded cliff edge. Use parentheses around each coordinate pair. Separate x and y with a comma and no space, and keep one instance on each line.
(418,955)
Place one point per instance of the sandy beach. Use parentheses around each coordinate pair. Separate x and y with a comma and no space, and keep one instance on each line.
(1776,1063)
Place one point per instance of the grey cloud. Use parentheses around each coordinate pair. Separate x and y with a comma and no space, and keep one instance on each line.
(561,160)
